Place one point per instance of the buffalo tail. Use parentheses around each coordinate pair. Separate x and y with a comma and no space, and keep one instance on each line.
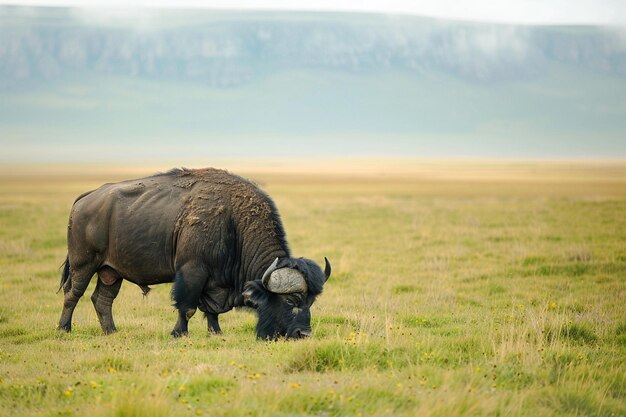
(66,273)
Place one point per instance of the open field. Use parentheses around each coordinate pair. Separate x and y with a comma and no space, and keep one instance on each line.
(459,288)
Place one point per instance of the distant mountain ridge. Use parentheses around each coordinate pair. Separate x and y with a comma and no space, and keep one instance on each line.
(225,50)
(138,85)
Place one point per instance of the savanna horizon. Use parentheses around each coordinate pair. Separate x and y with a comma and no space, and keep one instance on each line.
(459,287)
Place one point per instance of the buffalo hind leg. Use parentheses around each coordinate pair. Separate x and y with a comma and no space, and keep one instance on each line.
(102,299)
(186,293)
(213,323)
(78,281)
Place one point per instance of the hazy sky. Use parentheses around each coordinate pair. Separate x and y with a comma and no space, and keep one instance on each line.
(509,11)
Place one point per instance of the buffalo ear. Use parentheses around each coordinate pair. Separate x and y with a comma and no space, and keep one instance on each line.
(254,294)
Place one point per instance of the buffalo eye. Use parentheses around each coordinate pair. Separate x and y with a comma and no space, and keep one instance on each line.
(294,300)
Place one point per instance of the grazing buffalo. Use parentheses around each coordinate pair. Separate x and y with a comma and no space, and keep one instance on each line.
(215,235)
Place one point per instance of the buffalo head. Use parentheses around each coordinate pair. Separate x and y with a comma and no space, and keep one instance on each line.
(284,295)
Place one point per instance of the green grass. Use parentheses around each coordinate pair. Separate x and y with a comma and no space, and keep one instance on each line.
(449,297)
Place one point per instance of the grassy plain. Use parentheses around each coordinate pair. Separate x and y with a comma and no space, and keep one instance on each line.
(459,289)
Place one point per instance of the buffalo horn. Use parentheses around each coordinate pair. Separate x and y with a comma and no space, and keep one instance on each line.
(327,268)
(283,280)
(269,271)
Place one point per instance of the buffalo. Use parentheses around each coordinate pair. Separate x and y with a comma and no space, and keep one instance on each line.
(217,236)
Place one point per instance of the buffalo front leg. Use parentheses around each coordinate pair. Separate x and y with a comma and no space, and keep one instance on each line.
(181,327)
(186,292)
(79,280)
(213,323)
(102,300)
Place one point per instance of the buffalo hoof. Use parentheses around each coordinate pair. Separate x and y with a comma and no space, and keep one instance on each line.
(65,328)
(179,333)
(109,330)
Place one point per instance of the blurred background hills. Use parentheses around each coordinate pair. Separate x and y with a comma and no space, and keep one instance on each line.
(95,85)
